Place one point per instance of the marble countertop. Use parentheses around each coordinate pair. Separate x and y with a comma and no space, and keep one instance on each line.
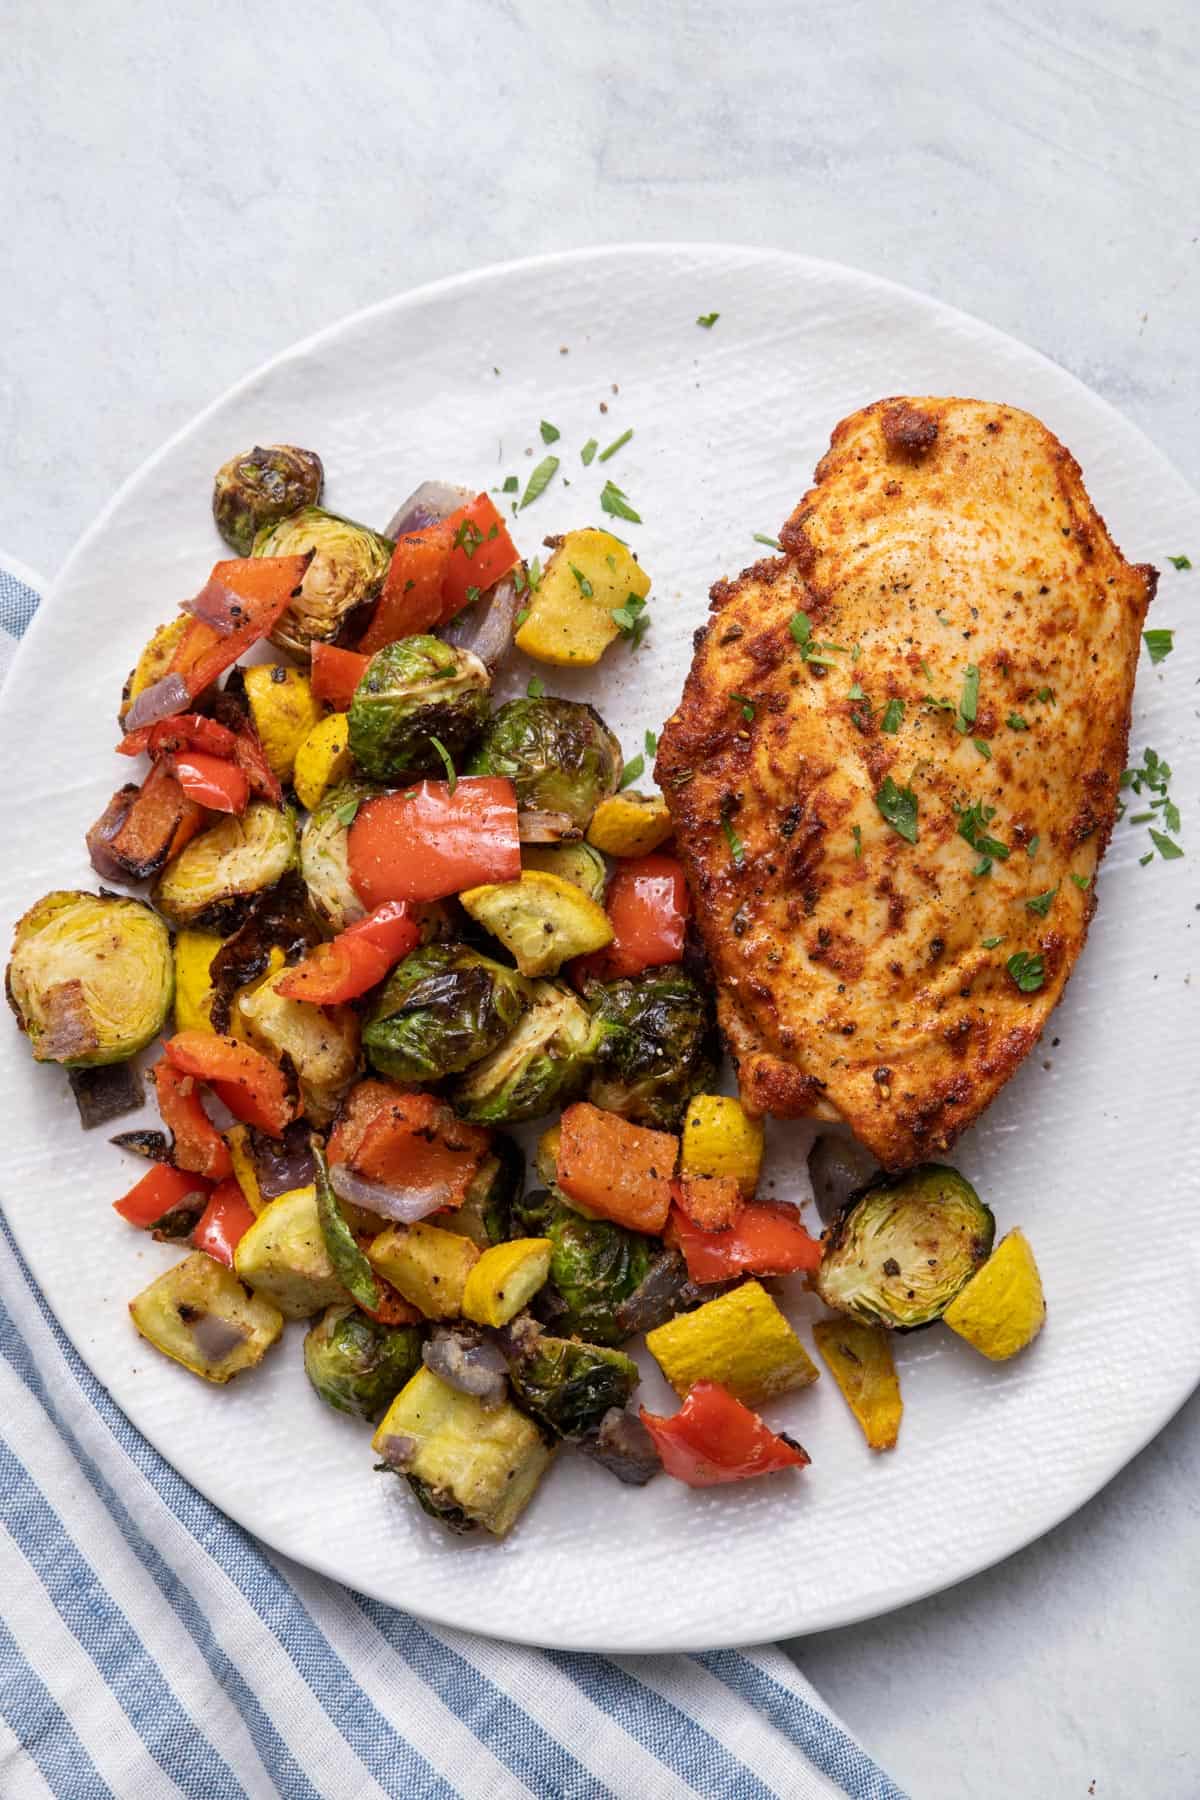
(187,190)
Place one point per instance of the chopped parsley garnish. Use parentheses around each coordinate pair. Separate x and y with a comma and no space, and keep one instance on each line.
(630,773)
(800,626)
(899,807)
(614,502)
(1045,695)
(747,706)
(893,713)
(511,484)
(760,537)
(1159,643)
(1176,562)
(473,594)
(973,821)
(536,688)
(1027,970)
(856,834)
(989,943)
(1165,846)
(447,763)
(589,450)
(632,620)
(521,617)
(1154,777)
(983,747)
(616,445)
(1031,848)
(585,586)
(550,433)
(708,320)
(468,538)
(345,814)
(1017,723)
(939,705)
(968,704)
(539,481)
(1082,882)
(856,692)
(651,742)
(1041,903)
(1143,860)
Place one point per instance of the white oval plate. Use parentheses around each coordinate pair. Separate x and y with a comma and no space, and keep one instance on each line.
(1094,1147)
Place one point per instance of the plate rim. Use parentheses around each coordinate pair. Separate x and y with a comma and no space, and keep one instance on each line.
(450,1615)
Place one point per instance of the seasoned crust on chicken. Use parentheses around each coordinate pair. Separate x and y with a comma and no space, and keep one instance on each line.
(857,977)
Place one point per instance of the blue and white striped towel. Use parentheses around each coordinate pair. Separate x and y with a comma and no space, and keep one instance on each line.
(151,1648)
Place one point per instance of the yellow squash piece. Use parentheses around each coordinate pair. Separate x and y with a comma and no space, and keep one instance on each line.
(283,1257)
(740,1339)
(322,761)
(1002,1308)
(321,1041)
(505,1279)
(480,1462)
(541,919)
(545,1157)
(578,863)
(719,1138)
(283,710)
(245,1173)
(200,1315)
(427,1265)
(194,951)
(570,619)
(859,1357)
(630,824)
(155,660)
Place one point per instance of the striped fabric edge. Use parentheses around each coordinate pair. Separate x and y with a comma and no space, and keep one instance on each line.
(492,1718)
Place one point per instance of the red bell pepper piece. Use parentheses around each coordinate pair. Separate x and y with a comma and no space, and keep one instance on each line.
(258,590)
(711,1202)
(209,781)
(408,1140)
(619,1170)
(427,841)
(335,675)
(251,1086)
(356,960)
(481,552)
(224,1221)
(411,600)
(648,904)
(199,1146)
(187,731)
(159,1192)
(765,1239)
(713,1438)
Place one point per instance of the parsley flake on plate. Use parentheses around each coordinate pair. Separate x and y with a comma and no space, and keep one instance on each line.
(539,481)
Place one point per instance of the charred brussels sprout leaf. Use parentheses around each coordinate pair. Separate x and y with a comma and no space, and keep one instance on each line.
(91,978)
(594,1266)
(571,1385)
(213,879)
(652,1048)
(254,491)
(348,566)
(542,1064)
(414,691)
(559,754)
(324,855)
(444,1008)
(902,1250)
(358,1365)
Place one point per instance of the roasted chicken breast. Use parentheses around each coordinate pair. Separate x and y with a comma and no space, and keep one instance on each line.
(895,768)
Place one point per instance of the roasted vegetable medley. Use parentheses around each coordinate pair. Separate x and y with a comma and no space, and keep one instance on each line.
(387,919)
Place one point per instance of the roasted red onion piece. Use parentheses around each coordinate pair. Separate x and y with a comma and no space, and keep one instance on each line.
(215,1338)
(624,1447)
(217,605)
(282,1164)
(468,1361)
(403,1205)
(161,700)
(838,1167)
(546,828)
(107,1092)
(487,627)
(397,1451)
(432,502)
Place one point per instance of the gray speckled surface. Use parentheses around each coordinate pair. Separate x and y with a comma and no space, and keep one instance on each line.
(189,189)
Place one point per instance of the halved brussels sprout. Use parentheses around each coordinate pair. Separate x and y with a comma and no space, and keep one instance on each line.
(346,571)
(324,855)
(358,1365)
(900,1252)
(321,1042)
(559,754)
(485,1213)
(91,977)
(413,691)
(571,1385)
(209,882)
(444,1007)
(542,1064)
(261,487)
(594,1266)
(577,862)
(652,1047)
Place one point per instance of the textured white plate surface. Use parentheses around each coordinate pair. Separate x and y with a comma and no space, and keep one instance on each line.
(1094,1147)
